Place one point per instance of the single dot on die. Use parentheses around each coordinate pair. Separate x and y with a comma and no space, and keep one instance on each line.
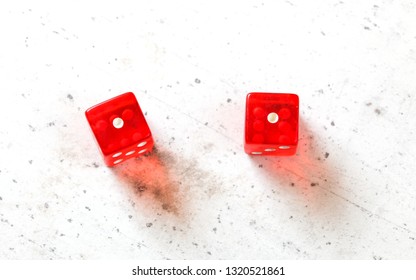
(117,154)
(272,117)
(142,144)
(256,153)
(142,151)
(127,114)
(130,153)
(284,147)
(118,122)
(118,161)
(270,150)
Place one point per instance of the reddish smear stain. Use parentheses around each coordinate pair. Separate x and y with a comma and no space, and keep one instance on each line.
(149,178)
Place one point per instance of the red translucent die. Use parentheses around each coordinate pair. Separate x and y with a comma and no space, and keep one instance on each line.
(272,121)
(120,128)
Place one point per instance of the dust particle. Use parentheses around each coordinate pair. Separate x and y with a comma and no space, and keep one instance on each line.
(314,184)
(228,100)
(377,111)
(198,81)
(140,187)
(149,224)
(46,205)
(332,123)
(70,97)
(326,155)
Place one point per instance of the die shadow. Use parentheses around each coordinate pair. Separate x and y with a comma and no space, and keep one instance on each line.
(151,184)
(309,175)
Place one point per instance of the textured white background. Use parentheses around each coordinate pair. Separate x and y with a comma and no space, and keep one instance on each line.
(349,193)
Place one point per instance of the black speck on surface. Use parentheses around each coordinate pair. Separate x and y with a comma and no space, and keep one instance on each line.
(206,123)
(377,111)
(70,97)
(260,165)
(292,184)
(368,104)
(46,205)
(149,224)
(326,155)
(51,124)
(366,28)
(332,123)
(69,220)
(198,81)
(130,216)
(95,164)
(1,198)
(30,161)
(86,207)
(314,184)
(14,181)
(228,100)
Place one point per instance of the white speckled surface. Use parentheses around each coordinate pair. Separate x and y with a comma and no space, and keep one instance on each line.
(350,193)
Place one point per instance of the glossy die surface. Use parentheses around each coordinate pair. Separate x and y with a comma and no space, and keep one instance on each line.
(120,128)
(271,124)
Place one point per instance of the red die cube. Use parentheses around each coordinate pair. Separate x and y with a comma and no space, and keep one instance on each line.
(120,128)
(271,126)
